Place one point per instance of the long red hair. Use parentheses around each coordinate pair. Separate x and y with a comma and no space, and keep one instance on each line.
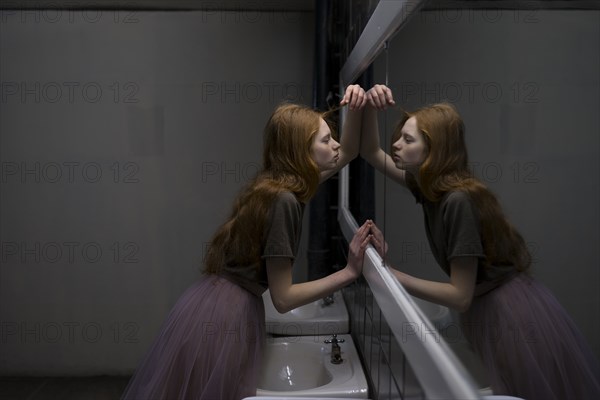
(287,166)
(446,169)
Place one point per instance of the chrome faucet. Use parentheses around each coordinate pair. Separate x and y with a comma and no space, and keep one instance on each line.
(327,300)
(336,351)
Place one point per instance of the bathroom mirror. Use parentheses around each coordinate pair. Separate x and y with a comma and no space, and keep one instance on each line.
(430,362)
(526,85)
(528,94)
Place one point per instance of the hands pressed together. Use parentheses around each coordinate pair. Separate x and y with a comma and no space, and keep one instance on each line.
(367,234)
(379,97)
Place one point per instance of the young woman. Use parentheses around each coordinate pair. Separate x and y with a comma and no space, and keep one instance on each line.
(527,341)
(210,346)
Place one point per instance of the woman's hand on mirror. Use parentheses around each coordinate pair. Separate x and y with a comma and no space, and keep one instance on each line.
(357,247)
(380,97)
(378,241)
(355,97)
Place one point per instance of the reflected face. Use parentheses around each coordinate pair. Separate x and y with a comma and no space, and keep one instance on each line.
(325,151)
(410,150)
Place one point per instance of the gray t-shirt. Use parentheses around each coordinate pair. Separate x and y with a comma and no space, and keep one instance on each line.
(284,225)
(453,230)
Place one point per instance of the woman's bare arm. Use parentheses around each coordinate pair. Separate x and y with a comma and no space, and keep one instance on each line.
(286,296)
(456,294)
(379,98)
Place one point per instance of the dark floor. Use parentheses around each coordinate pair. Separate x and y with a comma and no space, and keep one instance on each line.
(92,388)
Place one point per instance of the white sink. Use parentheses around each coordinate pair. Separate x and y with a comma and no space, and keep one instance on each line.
(301,367)
(312,319)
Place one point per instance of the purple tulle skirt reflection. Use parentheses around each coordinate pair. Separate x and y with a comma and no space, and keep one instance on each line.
(208,348)
(529,344)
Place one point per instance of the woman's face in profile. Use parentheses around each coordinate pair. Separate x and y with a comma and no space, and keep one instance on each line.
(325,150)
(410,150)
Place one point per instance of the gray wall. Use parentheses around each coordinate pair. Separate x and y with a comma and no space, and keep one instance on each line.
(124,138)
(527,86)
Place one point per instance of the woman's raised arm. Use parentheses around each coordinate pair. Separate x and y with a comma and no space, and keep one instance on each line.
(355,99)
(379,98)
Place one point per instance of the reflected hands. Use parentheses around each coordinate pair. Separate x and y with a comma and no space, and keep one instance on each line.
(380,97)
(378,241)
(355,97)
(357,247)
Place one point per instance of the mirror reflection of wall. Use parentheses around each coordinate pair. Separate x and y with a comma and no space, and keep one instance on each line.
(526,84)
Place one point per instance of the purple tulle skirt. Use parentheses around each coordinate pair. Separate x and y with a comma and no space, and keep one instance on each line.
(529,344)
(208,348)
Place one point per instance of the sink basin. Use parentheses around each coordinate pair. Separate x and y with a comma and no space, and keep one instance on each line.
(301,366)
(313,319)
(295,366)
